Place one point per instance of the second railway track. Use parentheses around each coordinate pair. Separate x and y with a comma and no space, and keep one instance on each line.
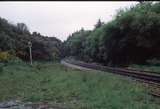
(150,79)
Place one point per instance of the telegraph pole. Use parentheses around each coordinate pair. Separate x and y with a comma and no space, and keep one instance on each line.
(30,51)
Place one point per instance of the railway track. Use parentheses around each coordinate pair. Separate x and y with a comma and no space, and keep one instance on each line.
(150,80)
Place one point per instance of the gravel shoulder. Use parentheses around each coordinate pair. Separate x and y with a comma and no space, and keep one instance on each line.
(76,67)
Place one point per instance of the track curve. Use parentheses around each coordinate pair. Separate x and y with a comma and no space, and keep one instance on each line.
(152,80)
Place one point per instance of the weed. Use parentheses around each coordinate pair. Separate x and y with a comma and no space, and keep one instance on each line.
(75,88)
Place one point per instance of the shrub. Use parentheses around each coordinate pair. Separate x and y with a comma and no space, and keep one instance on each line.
(15,60)
(153,61)
(5,56)
(1,68)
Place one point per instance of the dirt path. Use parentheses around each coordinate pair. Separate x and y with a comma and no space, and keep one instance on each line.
(76,66)
(16,104)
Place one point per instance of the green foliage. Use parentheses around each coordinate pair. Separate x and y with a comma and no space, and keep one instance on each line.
(22,27)
(154,61)
(76,43)
(7,41)
(16,37)
(132,37)
(99,24)
(1,68)
(45,47)
(147,67)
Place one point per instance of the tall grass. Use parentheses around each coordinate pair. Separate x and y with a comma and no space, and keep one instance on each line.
(75,89)
(152,68)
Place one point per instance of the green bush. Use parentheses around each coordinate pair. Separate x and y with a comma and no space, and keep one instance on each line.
(154,62)
(1,68)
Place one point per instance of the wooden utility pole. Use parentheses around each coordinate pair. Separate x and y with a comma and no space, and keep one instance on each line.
(30,51)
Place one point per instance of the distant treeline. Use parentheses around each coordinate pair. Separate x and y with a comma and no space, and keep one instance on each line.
(14,40)
(132,37)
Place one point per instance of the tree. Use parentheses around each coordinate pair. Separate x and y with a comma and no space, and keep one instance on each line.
(22,28)
(15,38)
(99,24)
(132,37)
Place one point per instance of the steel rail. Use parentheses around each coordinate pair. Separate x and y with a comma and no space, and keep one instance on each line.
(149,78)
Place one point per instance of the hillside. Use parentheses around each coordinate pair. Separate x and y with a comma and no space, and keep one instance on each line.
(131,37)
(14,39)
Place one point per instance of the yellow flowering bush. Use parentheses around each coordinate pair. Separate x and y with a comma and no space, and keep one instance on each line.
(5,56)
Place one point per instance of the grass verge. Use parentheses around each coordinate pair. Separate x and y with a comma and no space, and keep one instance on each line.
(152,68)
(75,89)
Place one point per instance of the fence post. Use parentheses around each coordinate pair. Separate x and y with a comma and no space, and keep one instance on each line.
(30,51)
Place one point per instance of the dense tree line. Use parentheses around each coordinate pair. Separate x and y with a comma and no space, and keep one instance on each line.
(14,39)
(131,37)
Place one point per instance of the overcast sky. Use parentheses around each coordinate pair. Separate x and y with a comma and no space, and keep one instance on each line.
(60,19)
